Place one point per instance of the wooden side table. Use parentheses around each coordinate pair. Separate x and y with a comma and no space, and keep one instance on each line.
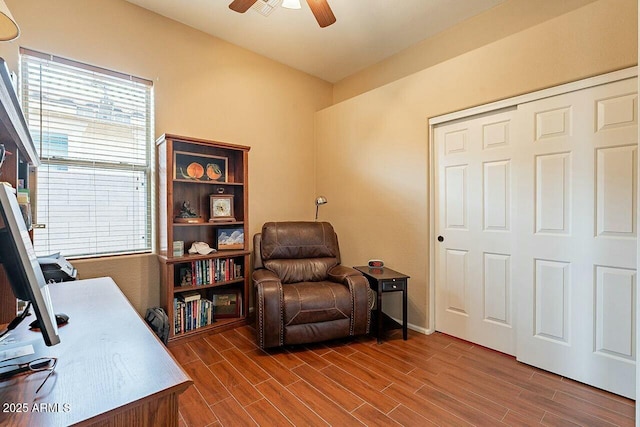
(386,280)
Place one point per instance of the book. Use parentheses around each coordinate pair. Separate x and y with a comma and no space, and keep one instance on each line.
(23,195)
(209,271)
(189,296)
(178,248)
(190,315)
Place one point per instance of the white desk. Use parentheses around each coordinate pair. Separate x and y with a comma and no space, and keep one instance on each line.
(112,369)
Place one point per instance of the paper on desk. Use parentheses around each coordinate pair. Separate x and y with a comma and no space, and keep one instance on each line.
(15,352)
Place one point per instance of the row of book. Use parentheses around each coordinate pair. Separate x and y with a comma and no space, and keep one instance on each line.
(191,311)
(209,271)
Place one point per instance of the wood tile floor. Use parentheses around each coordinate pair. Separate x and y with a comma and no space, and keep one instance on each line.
(424,381)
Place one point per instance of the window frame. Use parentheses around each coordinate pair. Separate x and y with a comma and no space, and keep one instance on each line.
(146,169)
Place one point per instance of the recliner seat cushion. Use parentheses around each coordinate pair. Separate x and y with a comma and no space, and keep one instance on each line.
(315,332)
(313,302)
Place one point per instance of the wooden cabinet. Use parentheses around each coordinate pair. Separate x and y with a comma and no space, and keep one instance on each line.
(203,197)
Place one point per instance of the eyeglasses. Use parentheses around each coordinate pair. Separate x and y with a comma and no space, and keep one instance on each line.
(36,365)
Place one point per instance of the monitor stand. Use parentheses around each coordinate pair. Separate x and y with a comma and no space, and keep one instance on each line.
(9,348)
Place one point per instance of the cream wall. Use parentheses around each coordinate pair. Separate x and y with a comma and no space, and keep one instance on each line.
(499,22)
(204,87)
(372,150)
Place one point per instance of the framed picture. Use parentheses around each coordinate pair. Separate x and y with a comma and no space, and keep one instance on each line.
(221,207)
(226,304)
(230,238)
(199,167)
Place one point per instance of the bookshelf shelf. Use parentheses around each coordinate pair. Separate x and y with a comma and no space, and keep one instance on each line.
(190,171)
(179,289)
(190,257)
(207,224)
(220,184)
(218,325)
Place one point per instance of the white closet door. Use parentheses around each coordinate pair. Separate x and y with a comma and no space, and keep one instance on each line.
(575,274)
(474,189)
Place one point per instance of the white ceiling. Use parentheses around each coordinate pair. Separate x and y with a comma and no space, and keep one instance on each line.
(366,31)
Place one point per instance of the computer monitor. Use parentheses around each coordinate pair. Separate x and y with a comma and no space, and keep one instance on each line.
(21,264)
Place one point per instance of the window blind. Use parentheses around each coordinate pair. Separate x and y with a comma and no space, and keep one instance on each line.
(93,131)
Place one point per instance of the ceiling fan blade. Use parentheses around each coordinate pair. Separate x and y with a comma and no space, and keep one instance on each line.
(241,6)
(322,12)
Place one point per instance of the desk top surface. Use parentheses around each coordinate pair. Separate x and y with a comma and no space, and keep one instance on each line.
(107,359)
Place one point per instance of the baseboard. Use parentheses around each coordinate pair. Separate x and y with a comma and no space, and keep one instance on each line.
(425,331)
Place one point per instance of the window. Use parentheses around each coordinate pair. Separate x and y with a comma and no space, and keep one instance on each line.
(93,131)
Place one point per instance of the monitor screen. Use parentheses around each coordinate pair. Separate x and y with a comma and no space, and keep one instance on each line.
(21,264)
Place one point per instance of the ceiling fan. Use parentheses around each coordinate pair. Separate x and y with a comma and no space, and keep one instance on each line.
(320,8)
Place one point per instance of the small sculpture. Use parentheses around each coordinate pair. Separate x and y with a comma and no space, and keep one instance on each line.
(188,214)
(186,211)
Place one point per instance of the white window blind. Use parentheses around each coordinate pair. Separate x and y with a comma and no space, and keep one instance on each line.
(93,131)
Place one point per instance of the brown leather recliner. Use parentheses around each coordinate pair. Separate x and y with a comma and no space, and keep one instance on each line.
(303,294)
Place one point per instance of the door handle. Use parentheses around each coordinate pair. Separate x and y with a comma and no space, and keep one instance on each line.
(440,239)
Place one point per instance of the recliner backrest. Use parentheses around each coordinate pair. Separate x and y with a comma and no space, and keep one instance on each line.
(298,251)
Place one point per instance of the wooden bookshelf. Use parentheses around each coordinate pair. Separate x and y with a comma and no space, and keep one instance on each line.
(221,171)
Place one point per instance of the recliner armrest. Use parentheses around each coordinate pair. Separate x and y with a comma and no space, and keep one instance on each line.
(340,273)
(264,275)
(360,292)
(269,308)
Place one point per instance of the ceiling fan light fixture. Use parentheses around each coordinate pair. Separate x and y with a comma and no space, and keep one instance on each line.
(320,8)
(291,4)
(265,7)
